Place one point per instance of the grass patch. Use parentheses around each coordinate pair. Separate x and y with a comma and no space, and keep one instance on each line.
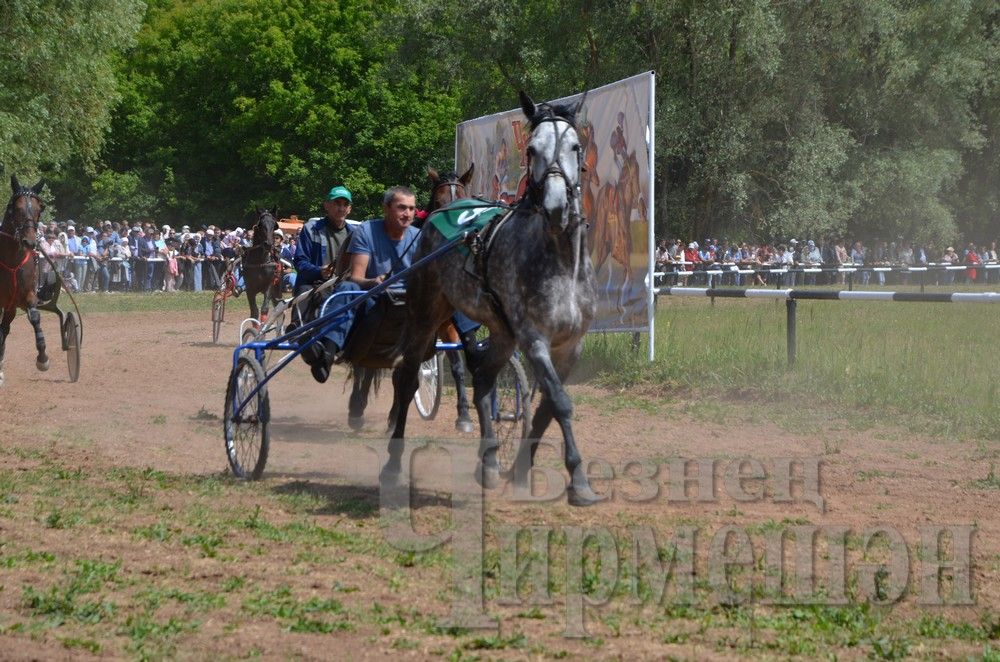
(850,357)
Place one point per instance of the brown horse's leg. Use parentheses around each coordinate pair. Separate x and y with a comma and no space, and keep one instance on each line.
(358,402)
(8,316)
(35,317)
(252,300)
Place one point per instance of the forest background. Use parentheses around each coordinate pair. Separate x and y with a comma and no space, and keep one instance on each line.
(775,118)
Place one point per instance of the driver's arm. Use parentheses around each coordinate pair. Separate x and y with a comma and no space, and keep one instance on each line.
(359,268)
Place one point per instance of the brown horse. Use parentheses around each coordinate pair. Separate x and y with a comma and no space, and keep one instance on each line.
(18,267)
(261,270)
(445,189)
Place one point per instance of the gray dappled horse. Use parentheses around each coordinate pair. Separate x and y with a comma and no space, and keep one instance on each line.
(534,289)
(260,264)
(18,234)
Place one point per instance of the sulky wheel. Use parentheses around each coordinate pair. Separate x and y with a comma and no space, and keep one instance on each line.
(247,431)
(510,403)
(218,313)
(71,341)
(428,395)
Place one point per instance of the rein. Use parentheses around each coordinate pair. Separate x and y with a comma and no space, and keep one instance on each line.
(12,299)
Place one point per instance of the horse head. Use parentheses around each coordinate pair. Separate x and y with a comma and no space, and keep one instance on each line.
(553,161)
(263,229)
(20,220)
(448,187)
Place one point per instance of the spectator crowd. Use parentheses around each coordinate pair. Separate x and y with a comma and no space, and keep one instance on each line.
(822,262)
(142,258)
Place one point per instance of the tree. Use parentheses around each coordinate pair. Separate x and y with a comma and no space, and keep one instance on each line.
(57,82)
(272,102)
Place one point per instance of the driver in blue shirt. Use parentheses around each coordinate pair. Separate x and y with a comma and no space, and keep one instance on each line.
(378,247)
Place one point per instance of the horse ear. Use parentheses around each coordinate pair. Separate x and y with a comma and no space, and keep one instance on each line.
(274,211)
(467,177)
(37,188)
(15,185)
(258,209)
(527,105)
(433,175)
(576,109)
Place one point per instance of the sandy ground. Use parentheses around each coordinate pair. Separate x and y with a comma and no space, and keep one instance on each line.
(151,394)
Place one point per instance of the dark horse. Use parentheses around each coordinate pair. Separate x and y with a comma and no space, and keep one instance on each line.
(17,265)
(533,288)
(260,265)
(444,189)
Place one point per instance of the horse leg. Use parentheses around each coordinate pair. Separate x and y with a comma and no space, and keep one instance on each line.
(483,382)
(35,317)
(252,300)
(405,381)
(557,404)
(362,385)
(8,316)
(463,423)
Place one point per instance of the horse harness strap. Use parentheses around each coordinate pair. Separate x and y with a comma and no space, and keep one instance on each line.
(13,278)
(480,245)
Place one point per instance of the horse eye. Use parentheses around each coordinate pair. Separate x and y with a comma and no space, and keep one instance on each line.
(531,151)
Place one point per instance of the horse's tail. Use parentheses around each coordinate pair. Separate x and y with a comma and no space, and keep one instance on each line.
(378,374)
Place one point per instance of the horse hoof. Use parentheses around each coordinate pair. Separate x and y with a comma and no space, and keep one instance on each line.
(464,425)
(487,476)
(388,477)
(356,422)
(581,497)
(42,365)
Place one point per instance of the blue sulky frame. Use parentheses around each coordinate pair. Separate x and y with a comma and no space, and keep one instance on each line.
(317,328)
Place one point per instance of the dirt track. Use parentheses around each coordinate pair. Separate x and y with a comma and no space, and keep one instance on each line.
(151,393)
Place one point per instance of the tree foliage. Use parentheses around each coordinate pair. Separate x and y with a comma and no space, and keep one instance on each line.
(773,118)
(58,78)
(272,102)
(870,118)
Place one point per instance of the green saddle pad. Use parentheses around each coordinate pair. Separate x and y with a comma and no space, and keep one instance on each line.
(464,215)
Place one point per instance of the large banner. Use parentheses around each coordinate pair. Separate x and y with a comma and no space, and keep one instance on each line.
(615,126)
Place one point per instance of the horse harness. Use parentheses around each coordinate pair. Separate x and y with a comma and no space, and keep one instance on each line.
(16,237)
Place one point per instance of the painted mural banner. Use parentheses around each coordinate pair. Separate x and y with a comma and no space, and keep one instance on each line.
(615,127)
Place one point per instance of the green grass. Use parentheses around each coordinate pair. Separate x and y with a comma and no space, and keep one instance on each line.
(923,365)
(136,302)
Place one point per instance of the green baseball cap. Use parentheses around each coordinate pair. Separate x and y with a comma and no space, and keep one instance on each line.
(339,192)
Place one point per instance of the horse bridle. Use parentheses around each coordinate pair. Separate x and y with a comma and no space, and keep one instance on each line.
(555,169)
(453,185)
(31,223)
(269,253)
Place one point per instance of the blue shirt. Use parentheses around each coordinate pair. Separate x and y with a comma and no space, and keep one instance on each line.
(385,255)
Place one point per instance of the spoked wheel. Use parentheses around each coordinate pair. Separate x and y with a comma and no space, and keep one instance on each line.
(511,407)
(428,395)
(218,313)
(249,335)
(71,341)
(247,431)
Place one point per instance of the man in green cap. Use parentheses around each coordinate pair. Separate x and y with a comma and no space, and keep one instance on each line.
(321,239)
